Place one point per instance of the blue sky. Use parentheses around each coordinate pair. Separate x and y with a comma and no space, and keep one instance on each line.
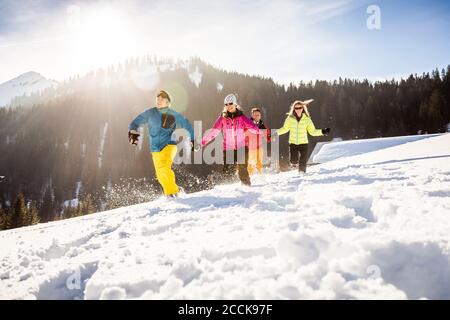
(286,40)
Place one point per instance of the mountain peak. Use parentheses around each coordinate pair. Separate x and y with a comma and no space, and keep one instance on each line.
(30,74)
(25,84)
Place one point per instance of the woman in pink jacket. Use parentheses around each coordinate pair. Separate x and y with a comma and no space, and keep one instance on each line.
(233,124)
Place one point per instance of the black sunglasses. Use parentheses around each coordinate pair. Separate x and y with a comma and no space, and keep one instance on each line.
(298,108)
(229,104)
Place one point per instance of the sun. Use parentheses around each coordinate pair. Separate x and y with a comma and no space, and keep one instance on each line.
(102,36)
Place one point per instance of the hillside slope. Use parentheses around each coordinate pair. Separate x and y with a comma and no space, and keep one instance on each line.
(369,226)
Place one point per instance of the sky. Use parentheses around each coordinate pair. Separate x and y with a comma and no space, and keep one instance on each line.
(287,40)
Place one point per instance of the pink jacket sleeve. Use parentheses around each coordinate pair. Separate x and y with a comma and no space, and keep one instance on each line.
(212,134)
(250,126)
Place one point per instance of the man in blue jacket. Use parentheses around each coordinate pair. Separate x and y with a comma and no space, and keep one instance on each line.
(162,122)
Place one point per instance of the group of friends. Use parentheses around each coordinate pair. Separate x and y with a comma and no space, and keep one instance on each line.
(242,137)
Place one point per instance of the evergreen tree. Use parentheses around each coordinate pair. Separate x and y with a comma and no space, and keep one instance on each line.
(48,208)
(6,218)
(33,214)
(19,212)
(435,107)
(87,205)
(70,212)
(3,219)
(79,210)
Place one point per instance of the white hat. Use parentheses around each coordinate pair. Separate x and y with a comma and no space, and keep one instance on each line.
(231,98)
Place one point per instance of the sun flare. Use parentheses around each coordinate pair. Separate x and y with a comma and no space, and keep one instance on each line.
(102,36)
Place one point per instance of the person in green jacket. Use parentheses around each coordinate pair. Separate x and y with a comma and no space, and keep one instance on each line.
(298,123)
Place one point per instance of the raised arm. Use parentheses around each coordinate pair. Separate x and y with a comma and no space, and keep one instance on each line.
(212,134)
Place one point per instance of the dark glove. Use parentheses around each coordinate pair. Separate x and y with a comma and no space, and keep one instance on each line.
(325,131)
(133,136)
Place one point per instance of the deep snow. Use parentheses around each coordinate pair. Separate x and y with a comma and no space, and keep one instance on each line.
(373,226)
(334,150)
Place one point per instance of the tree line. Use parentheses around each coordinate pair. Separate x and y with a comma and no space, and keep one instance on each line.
(66,149)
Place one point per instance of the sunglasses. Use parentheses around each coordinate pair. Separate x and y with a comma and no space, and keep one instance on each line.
(298,108)
(229,104)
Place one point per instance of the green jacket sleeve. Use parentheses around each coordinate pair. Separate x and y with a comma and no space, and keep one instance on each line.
(312,129)
(286,127)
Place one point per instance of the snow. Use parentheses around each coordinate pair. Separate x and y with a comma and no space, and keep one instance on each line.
(102,144)
(324,152)
(146,78)
(166,67)
(71,203)
(219,87)
(77,189)
(370,226)
(196,76)
(25,84)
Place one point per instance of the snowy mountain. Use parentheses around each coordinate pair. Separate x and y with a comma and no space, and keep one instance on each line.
(369,226)
(25,84)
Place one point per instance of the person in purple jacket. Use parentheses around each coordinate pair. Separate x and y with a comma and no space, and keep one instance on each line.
(233,124)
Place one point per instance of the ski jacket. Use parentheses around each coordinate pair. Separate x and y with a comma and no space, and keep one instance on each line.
(299,129)
(254,141)
(161,124)
(233,128)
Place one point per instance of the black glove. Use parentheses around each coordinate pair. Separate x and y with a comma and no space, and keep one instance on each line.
(325,131)
(133,136)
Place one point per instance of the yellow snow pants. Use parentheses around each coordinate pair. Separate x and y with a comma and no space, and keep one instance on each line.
(255,161)
(162,161)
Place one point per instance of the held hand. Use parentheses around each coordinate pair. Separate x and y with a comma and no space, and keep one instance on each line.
(133,137)
(326,131)
(273,135)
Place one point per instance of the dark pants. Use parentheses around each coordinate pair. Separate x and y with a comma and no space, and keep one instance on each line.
(295,150)
(230,167)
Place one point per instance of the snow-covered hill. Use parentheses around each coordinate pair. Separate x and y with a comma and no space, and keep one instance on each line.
(374,225)
(25,84)
(328,151)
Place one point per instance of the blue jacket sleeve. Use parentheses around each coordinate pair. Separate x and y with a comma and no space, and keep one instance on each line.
(139,120)
(184,123)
